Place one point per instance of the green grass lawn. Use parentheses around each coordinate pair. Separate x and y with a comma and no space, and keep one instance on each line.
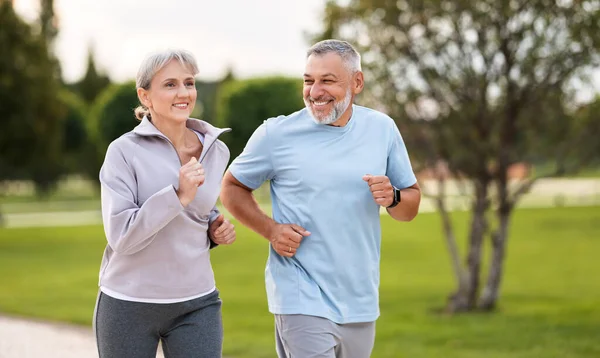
(550,305)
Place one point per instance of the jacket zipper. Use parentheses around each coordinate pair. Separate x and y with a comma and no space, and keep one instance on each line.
(205,152)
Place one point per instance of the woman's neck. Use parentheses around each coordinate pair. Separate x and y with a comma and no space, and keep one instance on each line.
(176,132)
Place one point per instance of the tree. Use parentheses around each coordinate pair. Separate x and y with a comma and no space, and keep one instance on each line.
(92,83)
(478,85)
(48,29)
(30,116)
(48,21)
(243,105)
(76,141)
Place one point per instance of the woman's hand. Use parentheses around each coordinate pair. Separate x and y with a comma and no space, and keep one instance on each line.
(222,231)
(191,176)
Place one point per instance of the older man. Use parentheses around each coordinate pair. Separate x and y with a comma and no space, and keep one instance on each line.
(331,166)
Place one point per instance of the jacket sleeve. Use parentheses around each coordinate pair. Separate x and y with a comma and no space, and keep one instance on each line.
(214,214)
(129,228)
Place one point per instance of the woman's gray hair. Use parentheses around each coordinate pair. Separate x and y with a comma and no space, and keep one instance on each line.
(154,63)
(349,55)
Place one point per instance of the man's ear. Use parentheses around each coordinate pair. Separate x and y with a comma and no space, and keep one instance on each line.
(144,98)
(358,82)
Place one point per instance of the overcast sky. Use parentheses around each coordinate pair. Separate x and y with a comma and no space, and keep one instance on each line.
(255,37)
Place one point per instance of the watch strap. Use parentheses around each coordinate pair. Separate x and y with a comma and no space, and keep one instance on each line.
(397,197)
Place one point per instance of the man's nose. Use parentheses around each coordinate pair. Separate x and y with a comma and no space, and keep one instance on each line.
(316,90)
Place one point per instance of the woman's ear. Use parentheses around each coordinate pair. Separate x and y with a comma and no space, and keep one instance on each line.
(144,98)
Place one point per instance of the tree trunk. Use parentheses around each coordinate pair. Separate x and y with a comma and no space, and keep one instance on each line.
(465,299)
(458,304)
(490,293)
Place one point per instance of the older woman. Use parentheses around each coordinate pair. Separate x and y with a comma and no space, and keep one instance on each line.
(160,183)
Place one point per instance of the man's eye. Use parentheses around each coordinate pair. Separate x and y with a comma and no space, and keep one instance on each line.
(308,82)
(170,84)
(191,84)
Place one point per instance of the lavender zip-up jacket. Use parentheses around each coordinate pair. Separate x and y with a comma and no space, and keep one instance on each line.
(157,249)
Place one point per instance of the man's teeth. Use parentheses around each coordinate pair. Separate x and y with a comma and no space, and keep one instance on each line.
(320,103)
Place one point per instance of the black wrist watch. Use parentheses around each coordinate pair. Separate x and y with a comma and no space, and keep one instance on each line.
(397,197)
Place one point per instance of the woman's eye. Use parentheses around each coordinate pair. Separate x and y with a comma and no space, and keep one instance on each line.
(170,84)
(191,84)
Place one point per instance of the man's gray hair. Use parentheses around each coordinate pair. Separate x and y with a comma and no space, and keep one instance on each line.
(154,63)
(345,50)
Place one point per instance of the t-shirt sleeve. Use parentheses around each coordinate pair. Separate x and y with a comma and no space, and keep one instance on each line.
(399,169)
(254,166)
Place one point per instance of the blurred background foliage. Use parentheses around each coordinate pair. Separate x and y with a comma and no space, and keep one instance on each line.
(244,104)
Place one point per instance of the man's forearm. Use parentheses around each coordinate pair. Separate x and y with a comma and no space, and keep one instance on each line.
(240,202)
(407,209)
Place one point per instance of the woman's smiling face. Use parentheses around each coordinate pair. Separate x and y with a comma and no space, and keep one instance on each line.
(172,93)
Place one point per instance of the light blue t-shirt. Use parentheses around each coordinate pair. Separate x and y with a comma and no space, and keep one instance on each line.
(315,172)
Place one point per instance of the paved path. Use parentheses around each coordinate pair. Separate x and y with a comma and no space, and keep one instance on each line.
(546,193)
(23,338)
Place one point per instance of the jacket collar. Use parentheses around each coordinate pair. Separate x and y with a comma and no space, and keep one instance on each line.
(211,133)
(146,128)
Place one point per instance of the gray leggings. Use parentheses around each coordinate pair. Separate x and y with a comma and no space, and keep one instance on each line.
(133,329)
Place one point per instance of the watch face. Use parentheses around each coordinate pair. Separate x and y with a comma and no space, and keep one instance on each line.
(397,195)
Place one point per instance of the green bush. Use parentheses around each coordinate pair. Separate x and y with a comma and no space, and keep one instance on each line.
(111,116)
(243,105)
(113,112)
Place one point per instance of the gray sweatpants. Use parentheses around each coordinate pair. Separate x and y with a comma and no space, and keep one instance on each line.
(301,336)
(189,329)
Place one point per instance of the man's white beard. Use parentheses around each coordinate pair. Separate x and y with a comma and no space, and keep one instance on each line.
(338,109)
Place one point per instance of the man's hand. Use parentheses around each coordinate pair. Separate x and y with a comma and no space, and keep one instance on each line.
(286,238)
(381,188)
(221,231)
